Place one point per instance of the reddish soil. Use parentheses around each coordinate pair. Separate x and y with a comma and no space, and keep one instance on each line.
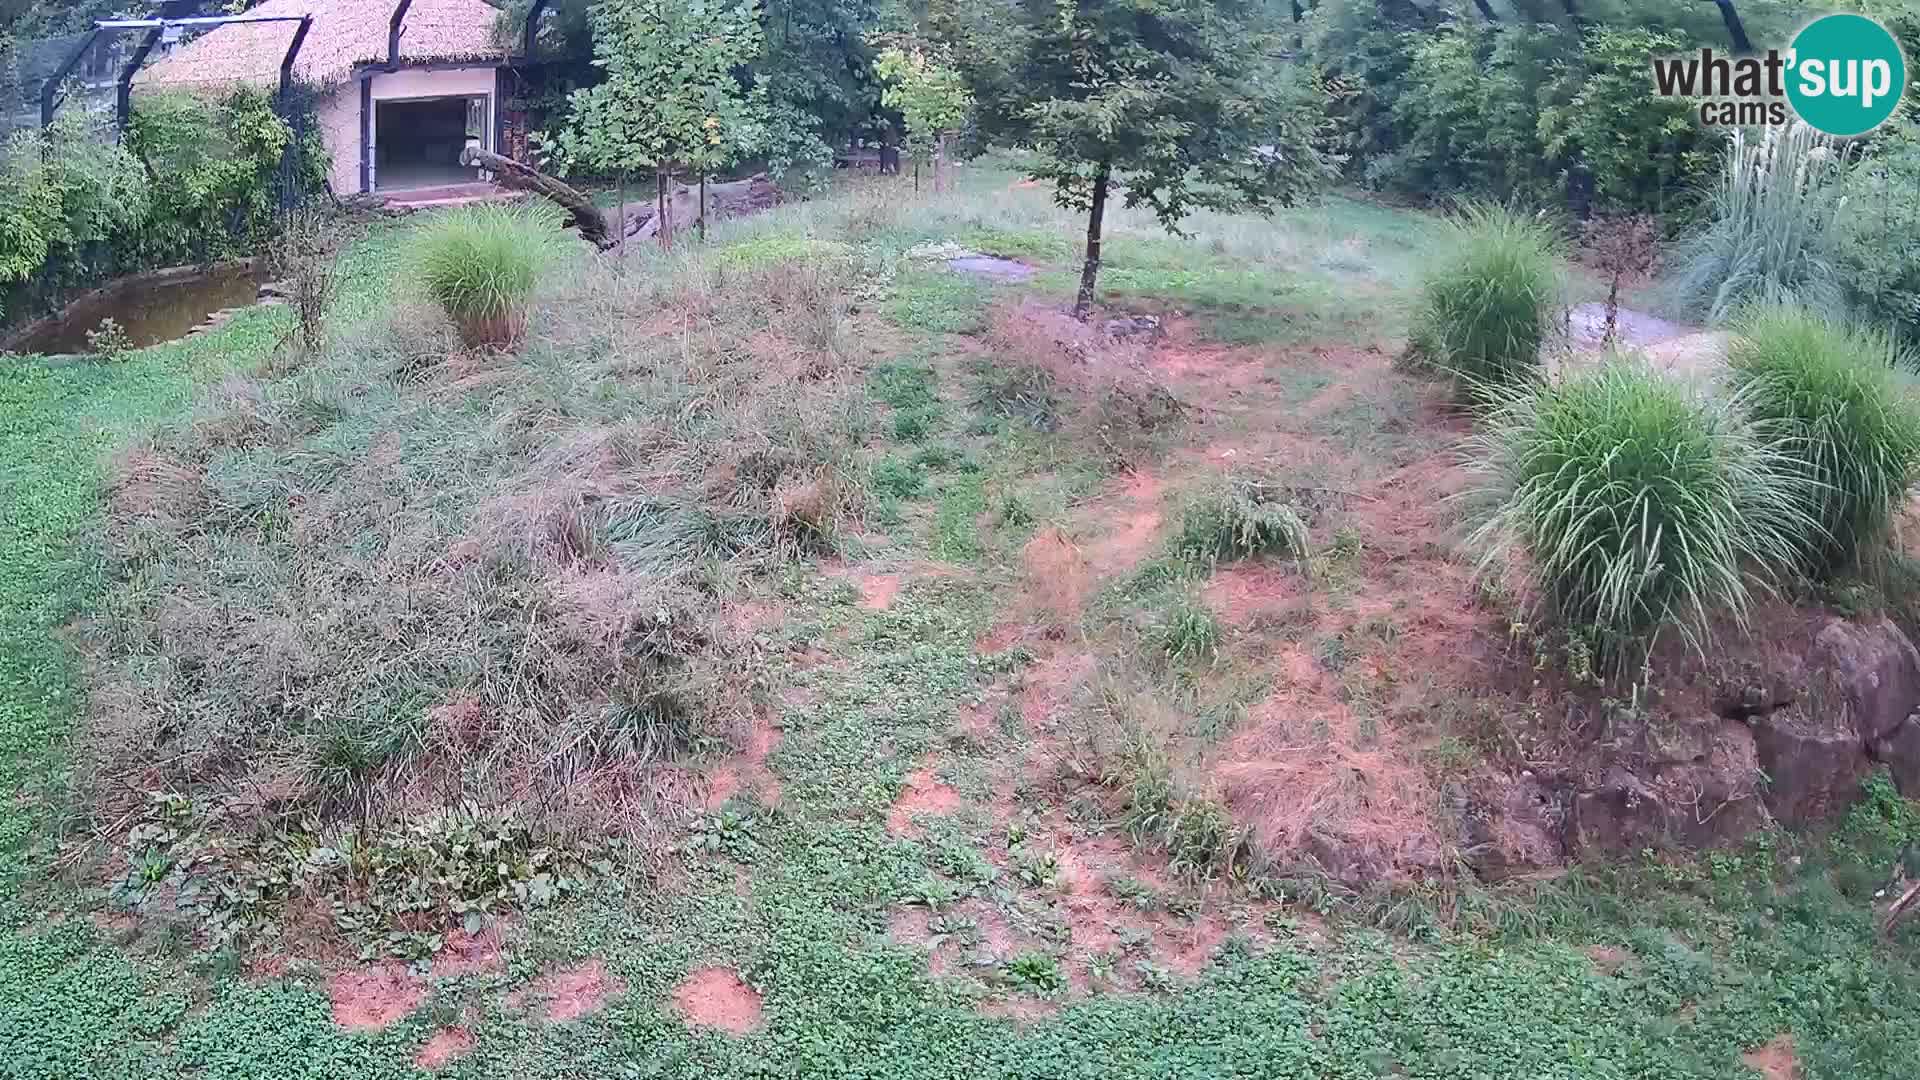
(368,999)
(1129,516)
(747,770)
(577,991)
(1609,959)
(1056,576)
(1246,592)
(924,794)
(1050,684)
(1000,637)
(462,953)
(716,997)
(877,591)
(1775,1059)
(442,1047)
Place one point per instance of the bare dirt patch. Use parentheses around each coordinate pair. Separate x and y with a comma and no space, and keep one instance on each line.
(1245,593)
(577,991)
(877,591)
(1129,517)
(1050,684)
(1056,576)
(462,953)
(1609,959)
(443,1047)
(368,999)
(1775,1059)
(747,770)
(717,997)
(924,794)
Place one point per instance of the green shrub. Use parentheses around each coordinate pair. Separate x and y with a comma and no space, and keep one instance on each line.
(1769,237)
(1878,261)
(1831,388)
(1638,503)
(1484,307)
(479,263)
(1241,517)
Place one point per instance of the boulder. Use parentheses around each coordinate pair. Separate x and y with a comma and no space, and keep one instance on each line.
(1870,671)
(1862,682)
(1900,750)
(1512,829)
(1710,799)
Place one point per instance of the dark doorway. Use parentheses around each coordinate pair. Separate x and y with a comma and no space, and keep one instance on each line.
(418,143)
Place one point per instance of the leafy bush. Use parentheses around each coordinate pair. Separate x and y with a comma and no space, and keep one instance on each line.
(1772,216)
(1639,504)
(215,168)
(1878,262)
(1830,387)
(479,263)
(1242,517)
(1641,151)
(62,192)
(1485,305)
(190,181)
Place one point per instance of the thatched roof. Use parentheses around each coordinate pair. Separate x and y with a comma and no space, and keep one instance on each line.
(345,33)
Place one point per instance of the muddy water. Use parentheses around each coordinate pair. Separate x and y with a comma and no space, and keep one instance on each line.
(150,312)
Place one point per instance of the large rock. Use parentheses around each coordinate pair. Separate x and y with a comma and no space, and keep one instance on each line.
(1861,683)
(1900,750)
(1709,798)
(1512,828)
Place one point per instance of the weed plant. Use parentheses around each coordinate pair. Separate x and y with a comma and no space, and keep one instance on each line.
(1239,518)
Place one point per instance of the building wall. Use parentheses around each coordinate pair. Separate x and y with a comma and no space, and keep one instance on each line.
(339,110)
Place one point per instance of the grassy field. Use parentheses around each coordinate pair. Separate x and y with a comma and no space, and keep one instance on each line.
(892,686)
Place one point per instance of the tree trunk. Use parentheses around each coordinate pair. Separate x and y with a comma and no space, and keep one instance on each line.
(1486,11)
(509,173)
(1090,272)
(1741,43)
(661,226)
(623,213)
(702,219)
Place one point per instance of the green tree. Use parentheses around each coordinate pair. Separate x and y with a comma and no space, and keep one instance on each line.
(1179,102)
(930,95)
(671,98)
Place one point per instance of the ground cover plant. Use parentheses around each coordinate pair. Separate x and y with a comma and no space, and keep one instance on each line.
(766,702)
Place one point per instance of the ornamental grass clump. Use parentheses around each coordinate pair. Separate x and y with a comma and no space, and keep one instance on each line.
(480,264)
(1853,432)
(1638,504)
(1485,306)
(1772,223)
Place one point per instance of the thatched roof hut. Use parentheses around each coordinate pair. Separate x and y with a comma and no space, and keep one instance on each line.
(345,34)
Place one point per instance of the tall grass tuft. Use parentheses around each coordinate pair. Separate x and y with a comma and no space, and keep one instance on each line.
(1238,518)
(1484,307)
(1638,504)
(1830,386)
(1769,237)
(480,263)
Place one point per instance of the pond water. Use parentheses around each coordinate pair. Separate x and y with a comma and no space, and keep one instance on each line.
(149,311)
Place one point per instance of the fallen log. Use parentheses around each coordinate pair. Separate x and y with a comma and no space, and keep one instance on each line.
(604,228)
(509,173)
